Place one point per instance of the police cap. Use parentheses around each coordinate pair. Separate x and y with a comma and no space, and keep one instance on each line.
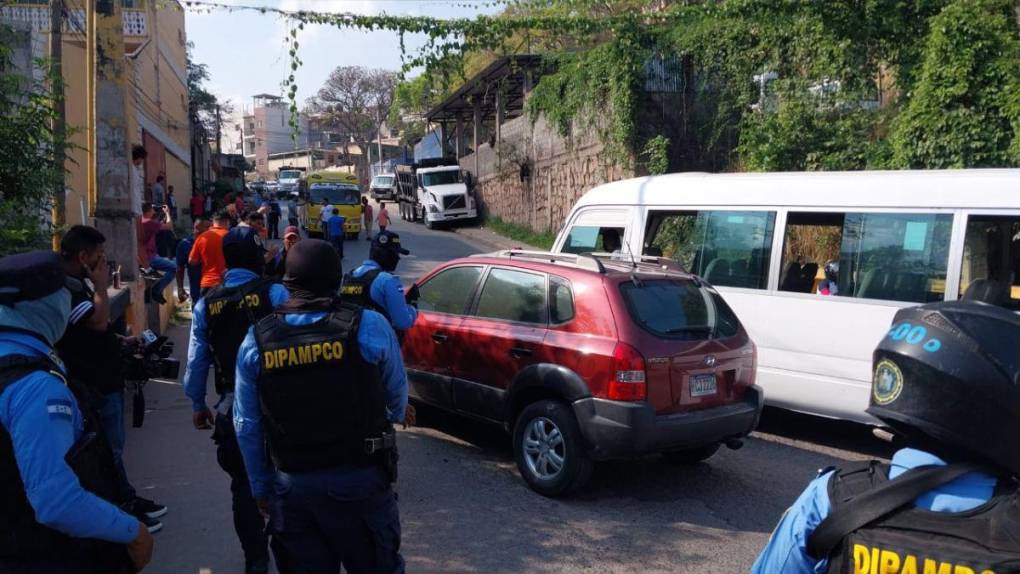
(947,376)
(242,247)
(31,275)
(389,240)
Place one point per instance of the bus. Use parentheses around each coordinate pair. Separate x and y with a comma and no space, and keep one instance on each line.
(891,239)
(339,189)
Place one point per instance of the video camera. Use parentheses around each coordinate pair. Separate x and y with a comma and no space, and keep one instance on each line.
(150,359)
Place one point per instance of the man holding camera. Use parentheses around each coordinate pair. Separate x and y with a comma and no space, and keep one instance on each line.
(58,512)
(91,351)
(149,227)
(220,322)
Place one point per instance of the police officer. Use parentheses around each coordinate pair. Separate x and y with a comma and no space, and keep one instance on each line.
(220,321)
(946,378)
(322,382)
(58,511)
(373,285)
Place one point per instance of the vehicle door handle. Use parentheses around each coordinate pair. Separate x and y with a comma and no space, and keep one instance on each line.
(519,352)
(439,337)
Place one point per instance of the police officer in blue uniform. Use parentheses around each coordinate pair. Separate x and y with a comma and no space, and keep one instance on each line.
(322,382)
(946,380)
(219,323)
(58,511)
(373,285)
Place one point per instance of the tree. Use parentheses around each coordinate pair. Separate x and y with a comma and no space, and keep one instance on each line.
(28,175)
(357,100)
(203,104)
(965,111)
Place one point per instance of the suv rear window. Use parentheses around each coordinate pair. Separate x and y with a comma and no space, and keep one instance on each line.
(679,309)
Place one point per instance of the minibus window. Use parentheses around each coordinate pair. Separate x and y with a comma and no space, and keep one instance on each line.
(727,248)
(991,260)
(592,239)
(888,256)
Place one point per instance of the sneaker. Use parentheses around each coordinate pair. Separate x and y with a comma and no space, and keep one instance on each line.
(148,508)
(157,296)
(151,524)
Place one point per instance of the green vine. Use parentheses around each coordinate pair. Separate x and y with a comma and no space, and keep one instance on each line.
(656,154)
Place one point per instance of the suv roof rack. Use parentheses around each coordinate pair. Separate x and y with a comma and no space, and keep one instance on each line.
(585,261)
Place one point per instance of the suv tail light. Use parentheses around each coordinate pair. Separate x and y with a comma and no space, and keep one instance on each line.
(627,382)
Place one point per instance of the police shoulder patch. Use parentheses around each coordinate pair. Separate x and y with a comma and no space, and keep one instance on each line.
(60,409)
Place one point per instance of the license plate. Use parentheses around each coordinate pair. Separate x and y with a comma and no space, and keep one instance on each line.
(703,385)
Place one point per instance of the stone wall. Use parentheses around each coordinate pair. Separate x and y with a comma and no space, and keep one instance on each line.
(559,173)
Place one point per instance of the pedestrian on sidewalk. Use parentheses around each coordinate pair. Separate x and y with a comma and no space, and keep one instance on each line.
(366,207)
(384,217)
(219,324)
(158,198)
(171,201)
(327,420)
(61,502)
(194,271)
(197,205)
(336,231)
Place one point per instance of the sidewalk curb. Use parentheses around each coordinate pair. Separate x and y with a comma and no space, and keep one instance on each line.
(489,238)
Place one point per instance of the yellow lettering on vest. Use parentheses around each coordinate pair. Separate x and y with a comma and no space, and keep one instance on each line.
(252,300)
(958,569)
(862,559)
(875,552)
(292,357)
(216,307)
(316,351)
(281,358)
(933,567)
(304,354)
(889,563)
(338,350)
(909,565)
(987,572)
(327,351)
(270,360)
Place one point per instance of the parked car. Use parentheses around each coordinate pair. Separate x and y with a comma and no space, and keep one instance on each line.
(583,358)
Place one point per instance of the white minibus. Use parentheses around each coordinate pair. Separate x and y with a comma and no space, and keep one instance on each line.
(888,239)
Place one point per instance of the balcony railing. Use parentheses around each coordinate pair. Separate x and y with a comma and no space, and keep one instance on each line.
(37,18)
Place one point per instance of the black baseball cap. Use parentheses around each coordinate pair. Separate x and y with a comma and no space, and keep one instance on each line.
(28,276)
(242,247)
(389,240)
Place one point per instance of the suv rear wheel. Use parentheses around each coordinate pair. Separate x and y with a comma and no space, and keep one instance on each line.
(692,455)
(549,449)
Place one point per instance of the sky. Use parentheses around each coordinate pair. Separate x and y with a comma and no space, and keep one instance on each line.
(246,54)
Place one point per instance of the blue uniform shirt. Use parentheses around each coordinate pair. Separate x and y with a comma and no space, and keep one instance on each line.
(387,292)
(42,417)
(378,347)
(786,551)
(200,356)
(336,225)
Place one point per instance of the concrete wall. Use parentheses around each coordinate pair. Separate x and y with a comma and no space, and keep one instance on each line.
(560,173)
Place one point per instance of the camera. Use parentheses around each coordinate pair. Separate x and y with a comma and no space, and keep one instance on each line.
(150,359)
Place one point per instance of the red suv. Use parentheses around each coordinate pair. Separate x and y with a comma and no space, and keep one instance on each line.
(583,358)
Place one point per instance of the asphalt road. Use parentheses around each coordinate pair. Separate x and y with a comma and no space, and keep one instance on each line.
(464,508)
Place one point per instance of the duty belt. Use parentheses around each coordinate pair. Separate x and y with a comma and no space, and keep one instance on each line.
(386,441)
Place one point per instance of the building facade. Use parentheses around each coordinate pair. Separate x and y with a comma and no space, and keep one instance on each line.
(156,89)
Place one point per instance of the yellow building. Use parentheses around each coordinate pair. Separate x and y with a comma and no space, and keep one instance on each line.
(156,85)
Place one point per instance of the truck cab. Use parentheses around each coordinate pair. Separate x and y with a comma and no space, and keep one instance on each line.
(291,182)
(443,195)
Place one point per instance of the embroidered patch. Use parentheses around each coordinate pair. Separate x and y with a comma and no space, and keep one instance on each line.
(59,408)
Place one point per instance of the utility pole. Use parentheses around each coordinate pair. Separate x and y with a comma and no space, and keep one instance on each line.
(219,136)
(59,124)
(90,105)
(378,133)
(114,211)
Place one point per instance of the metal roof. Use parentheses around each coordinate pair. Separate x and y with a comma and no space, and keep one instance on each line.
(508,71)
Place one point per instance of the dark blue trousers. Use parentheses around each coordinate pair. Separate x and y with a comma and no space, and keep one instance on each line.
(248,522)
(347,516)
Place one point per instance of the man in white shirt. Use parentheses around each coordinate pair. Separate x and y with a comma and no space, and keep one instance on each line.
(158,196)
(324,215)
(138,155)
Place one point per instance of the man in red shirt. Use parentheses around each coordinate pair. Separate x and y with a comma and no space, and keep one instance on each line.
(208,252)
(148,227)
(366,207)
(197,205)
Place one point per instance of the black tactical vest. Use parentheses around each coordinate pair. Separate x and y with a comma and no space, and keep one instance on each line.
(984,540)
(358,290)
(91,460)
(230,311)
(319,397)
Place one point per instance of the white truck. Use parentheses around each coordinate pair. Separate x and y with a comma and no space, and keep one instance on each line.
(435,192)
